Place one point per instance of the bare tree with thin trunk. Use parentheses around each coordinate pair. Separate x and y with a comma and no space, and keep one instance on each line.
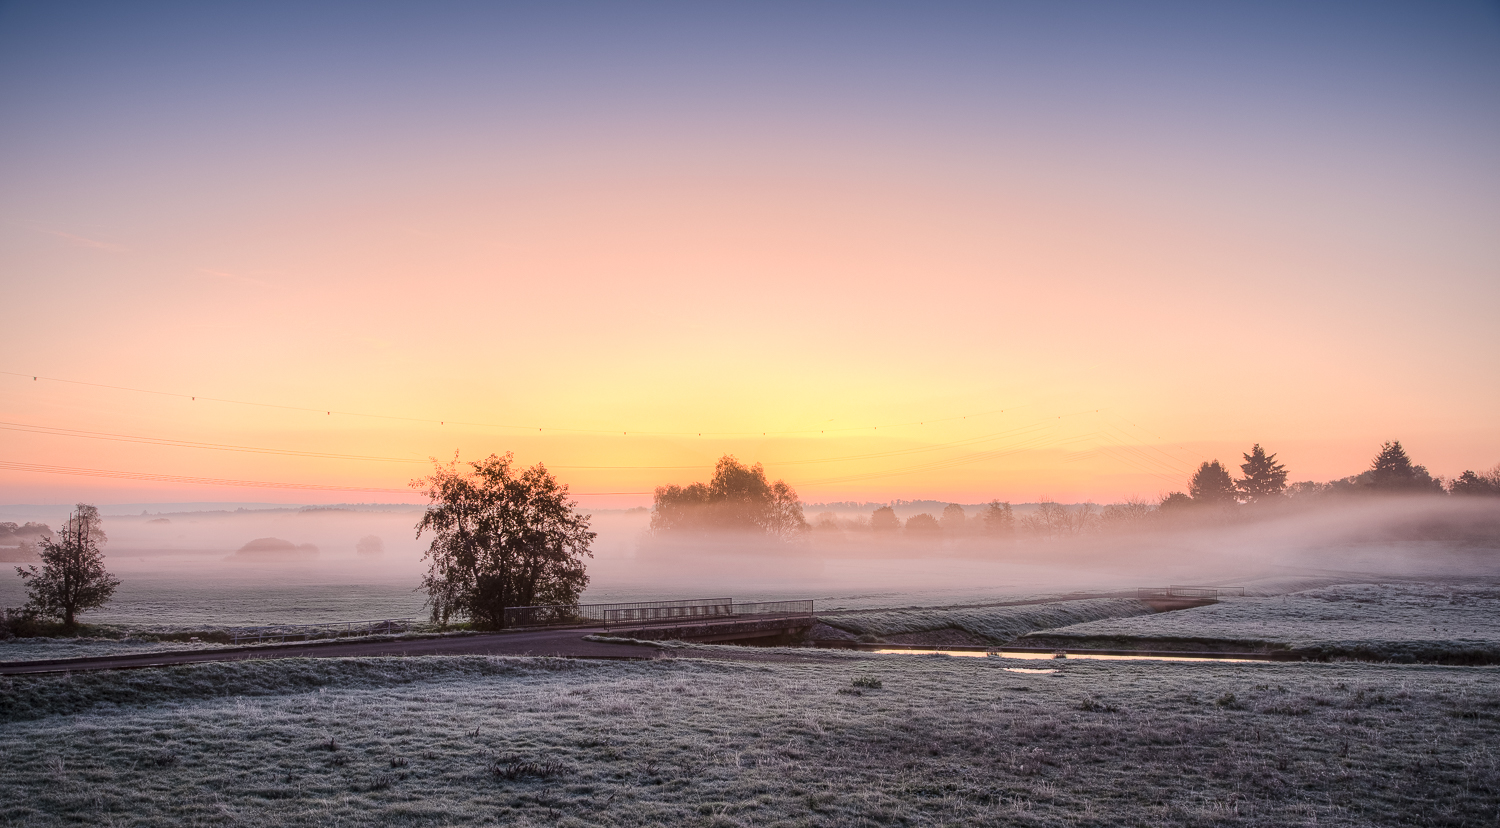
(72,578)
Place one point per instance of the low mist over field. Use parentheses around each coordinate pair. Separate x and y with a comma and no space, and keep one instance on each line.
(261,564)
(824,414)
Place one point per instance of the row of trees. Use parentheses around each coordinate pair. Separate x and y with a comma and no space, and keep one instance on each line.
(1264,480)
(737,499)
(996,518)
(506,537)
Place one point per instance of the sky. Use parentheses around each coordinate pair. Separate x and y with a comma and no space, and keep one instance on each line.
(952,251)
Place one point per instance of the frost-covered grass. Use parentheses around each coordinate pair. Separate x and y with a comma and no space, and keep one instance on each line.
(44,649)
(996,625)
(869,740)
(1402,619)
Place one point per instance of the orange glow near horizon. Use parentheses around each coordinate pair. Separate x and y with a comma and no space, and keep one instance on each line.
(1146,257)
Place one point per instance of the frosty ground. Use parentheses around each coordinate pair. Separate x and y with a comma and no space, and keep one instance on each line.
(476,741)
(1451,621)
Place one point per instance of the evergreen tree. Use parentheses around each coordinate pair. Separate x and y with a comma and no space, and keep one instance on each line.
(1264,479)
(1211,484)
(1393,471)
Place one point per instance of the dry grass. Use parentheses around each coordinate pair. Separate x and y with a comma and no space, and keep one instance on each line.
(927,740)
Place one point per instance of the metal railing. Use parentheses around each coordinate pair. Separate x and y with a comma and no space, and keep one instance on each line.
(1219,592)
(1193,592)
(336,629)
(647,615)
(666,615)
(774,608)
(585,613)
(639,612)
(649,612)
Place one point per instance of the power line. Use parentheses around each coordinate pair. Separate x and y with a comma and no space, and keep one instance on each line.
(57,431)
(214,481)
(54,431)
(541,429)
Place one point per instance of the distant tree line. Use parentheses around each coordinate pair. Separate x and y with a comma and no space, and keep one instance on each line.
(738,498)
(994,519)
(1264,480)
(1213,489)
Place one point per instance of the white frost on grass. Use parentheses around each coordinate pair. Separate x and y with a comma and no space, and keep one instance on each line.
(479,741)
(997,625)
(1456,613)
(47,649)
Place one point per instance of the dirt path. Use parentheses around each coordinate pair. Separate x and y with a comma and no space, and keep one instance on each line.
(567,643)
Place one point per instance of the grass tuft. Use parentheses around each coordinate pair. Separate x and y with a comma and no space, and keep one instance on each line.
(512,768)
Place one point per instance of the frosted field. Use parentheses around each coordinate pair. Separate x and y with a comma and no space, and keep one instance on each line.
(1395,617)
(993,625)
(532,742)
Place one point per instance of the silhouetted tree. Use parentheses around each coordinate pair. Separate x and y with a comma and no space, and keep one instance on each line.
(1391,468)
(72,578)
(1212,485)
(1052,519)
(1265,479)
(1307,490)
(1393,471)
(953,519)
(1471,484)
(1174,502)
(998,519)
(784,520)
(1132,512)
(27,533)
(923,524)
(737,499)
(884,520)
(501,539)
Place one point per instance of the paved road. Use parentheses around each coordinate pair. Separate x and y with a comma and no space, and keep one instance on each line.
(567,643)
